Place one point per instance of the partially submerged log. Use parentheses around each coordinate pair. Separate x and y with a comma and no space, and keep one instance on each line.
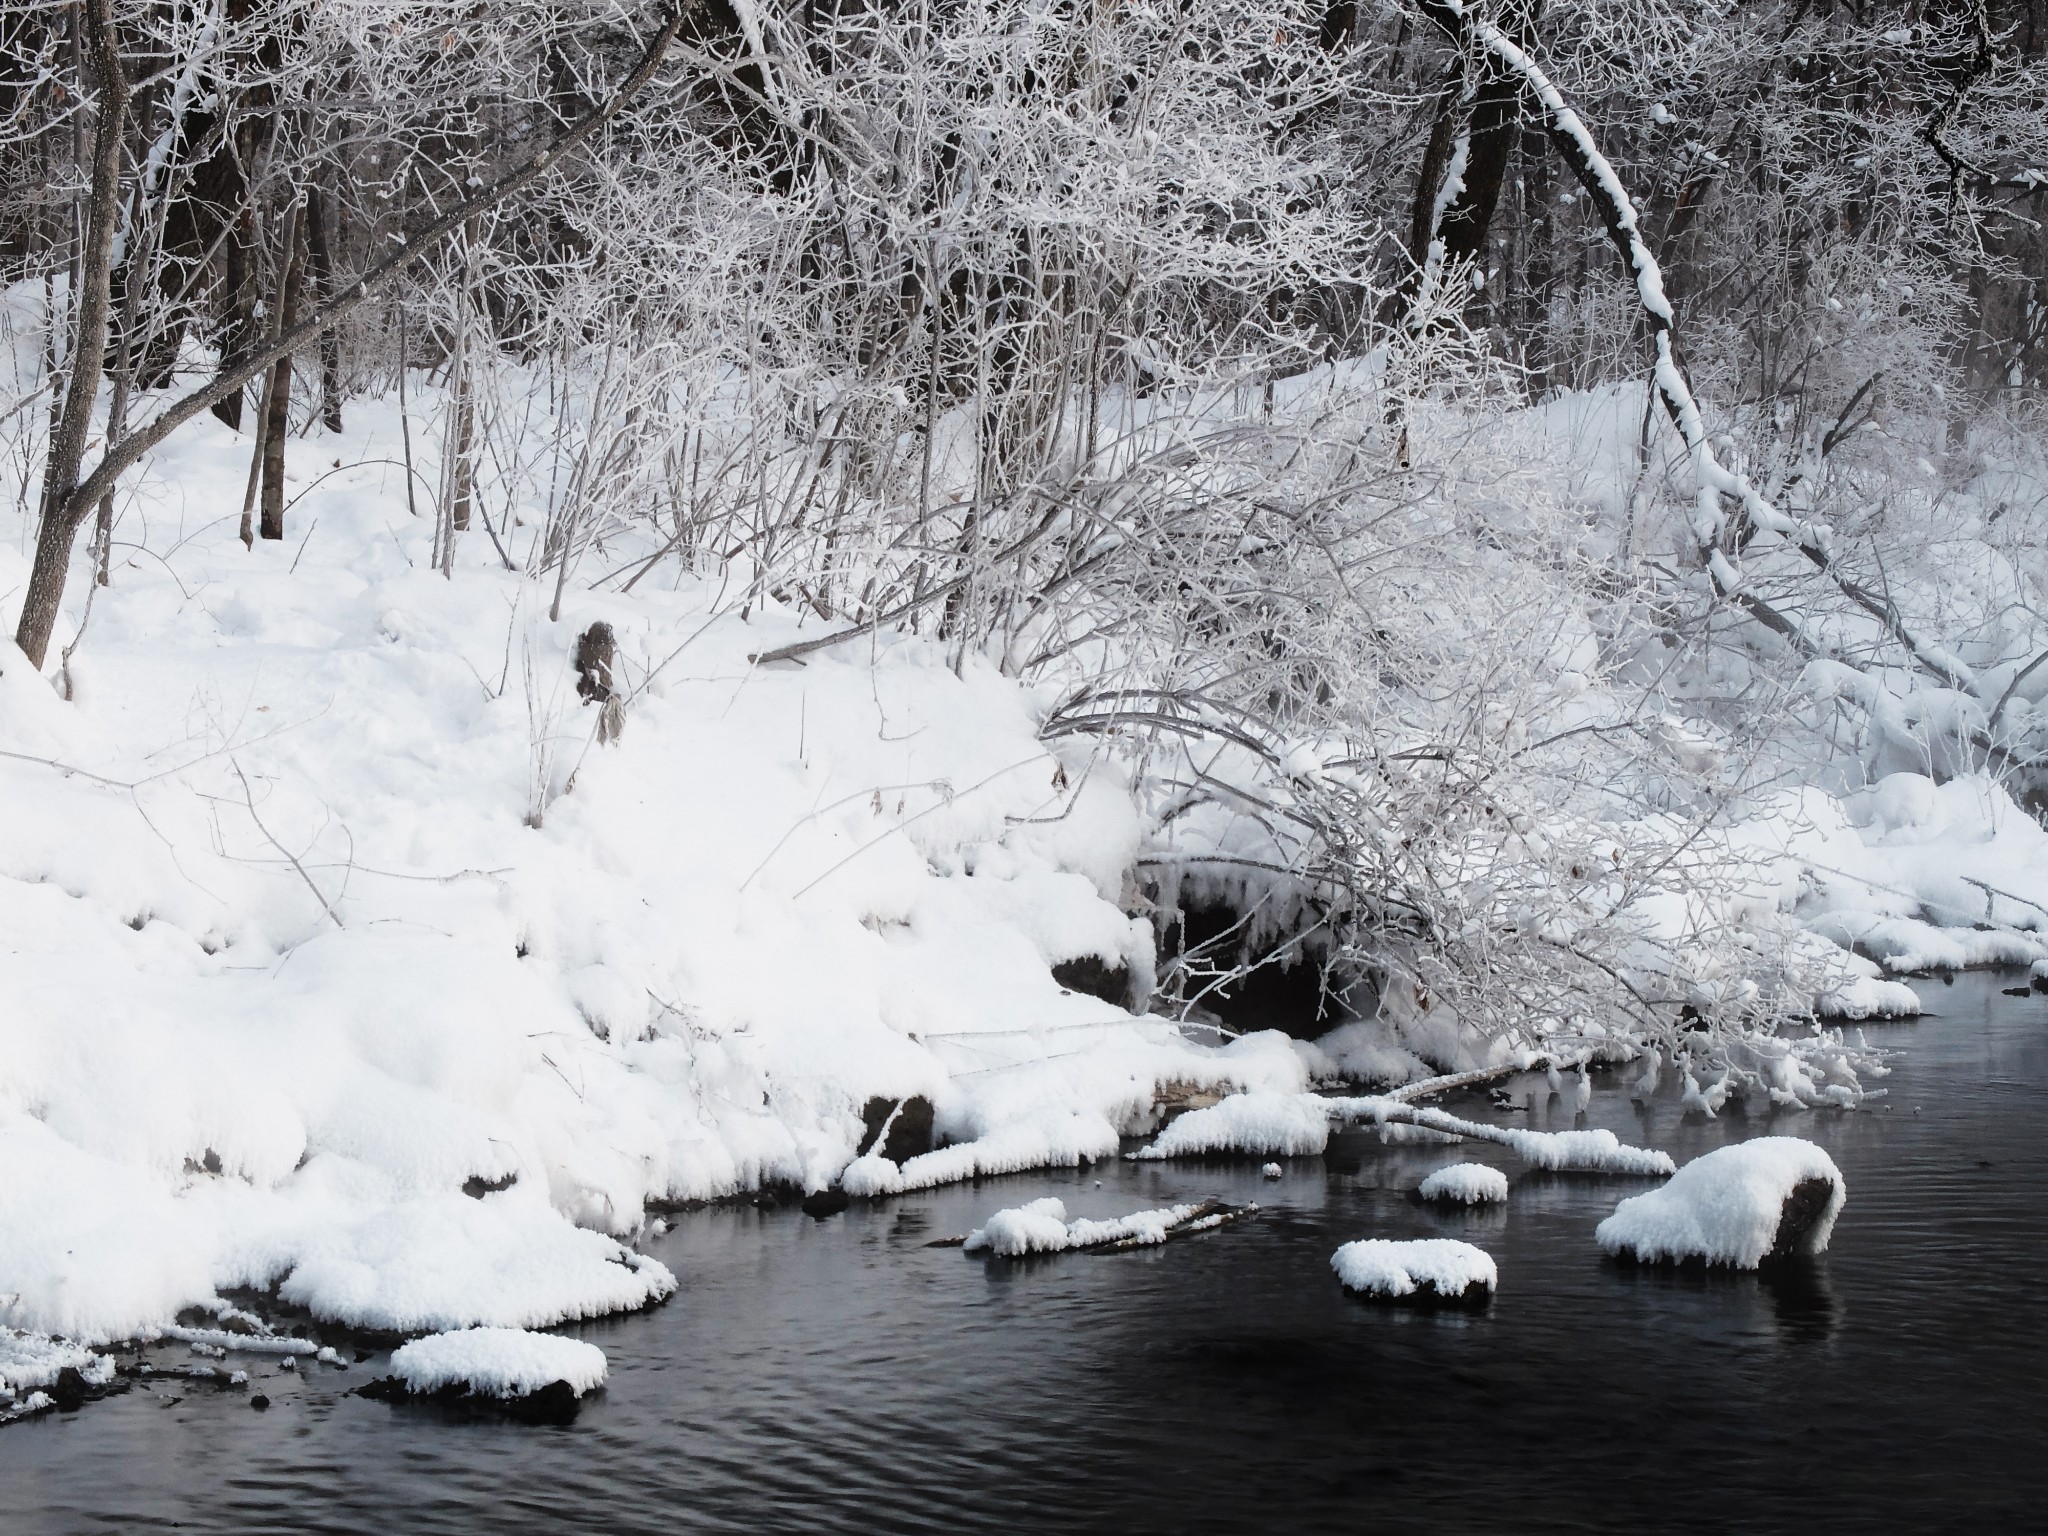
(1041,1227)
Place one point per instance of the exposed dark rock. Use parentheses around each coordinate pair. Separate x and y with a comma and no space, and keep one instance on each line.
(1427,1298)
(910,1131)
(1096,977)
(70,1390)
(826,1202)
(555,1403)
(259,1402)
(1802,1211)
(207,1164)
(476,1186)
(2017,991)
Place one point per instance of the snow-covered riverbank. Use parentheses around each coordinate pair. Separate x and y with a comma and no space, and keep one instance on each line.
(337,957)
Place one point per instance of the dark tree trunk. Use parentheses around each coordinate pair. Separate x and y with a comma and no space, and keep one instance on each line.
(320,238)
(62,509)
(277,399)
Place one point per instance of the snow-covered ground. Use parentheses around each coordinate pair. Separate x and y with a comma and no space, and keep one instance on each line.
(287,963)
(337,957)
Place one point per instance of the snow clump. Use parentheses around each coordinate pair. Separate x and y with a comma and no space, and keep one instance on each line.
(1726,1207)
(498,1362)
(1379,1267)
(1466,1184)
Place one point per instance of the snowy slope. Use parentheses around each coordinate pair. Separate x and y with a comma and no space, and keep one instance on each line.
(286,965)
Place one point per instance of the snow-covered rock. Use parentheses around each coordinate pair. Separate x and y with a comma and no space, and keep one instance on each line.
(1465,1184)
(1776,1196)
(498,1362)
(1433,1265)
(29,1361)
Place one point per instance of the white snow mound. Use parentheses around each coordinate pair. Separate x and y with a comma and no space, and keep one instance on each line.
(498,1362)
(1724,1207)
(1380,1267)
(1466,1183)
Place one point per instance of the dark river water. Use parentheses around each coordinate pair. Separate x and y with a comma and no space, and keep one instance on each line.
(839,1375)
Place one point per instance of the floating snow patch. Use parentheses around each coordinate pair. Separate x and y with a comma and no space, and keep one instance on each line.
(1466,1184)
(1290,1124)
(1774,1197)
(1449,1269)
(497,1362)
(1042,1227)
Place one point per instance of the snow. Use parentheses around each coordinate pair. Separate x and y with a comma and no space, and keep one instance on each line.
(319,902)
(29,1361)
(1289,1124)
(1298,1125)
(498,1362)
(1925,876)
(1381,1267)
(288,961)
(1465,1183)
(1724,1207)
(1042,1227)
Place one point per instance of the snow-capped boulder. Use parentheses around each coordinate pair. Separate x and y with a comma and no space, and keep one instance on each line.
(1428,1268)
(1772,1198)
(531,1375)
(1464,1184)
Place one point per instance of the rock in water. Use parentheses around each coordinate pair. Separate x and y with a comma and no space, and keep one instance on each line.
(1464,1184)
(825,1202)
(1429,1269)
(537,1377)
(1804,1210)
(1776,1197)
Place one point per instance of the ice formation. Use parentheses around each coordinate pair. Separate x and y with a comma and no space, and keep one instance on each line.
(1465,1183)
(498,1362)
(1725,1207)
(1380,1267)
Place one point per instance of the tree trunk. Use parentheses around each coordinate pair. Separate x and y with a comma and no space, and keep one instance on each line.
(277,399)
(320,237)
(234,332)
(62,510)
(53,542)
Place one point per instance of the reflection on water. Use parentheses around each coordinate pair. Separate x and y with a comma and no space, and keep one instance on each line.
(841,1376)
